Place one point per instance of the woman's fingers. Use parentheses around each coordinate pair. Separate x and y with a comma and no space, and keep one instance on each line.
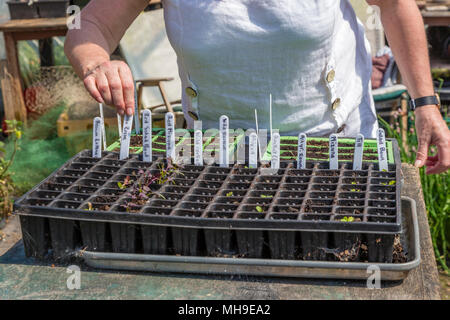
(442,163)
(128,88)
(112,83)
(115,86)
(103,87)
(91,86)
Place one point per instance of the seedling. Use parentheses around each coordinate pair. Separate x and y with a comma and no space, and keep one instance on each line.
(259,209)
(266,196)
(348,219)
(229,194)
(141,192)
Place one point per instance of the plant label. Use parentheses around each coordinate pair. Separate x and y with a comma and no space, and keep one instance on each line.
(100,106)
(382,153)
(146,136)
(359,149)
(275,164)
(125,138)
(170,136)
(334,161)
(253,150)
(119,124)
(97,138)
(224,141)
(137,125)
(198,148)
(301,152)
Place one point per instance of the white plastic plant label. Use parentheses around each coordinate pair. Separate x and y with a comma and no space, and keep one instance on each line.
(198,148)
(334,161)
(119,124)
(100,106)
(146,136)
(125,138)
(224,126)
(137,125)
(382,153)
(170,136)
(275,163)
(359,149)
(97,138)
(253,150)
(301,152)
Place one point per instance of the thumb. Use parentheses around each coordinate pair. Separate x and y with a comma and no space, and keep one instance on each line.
(422,154)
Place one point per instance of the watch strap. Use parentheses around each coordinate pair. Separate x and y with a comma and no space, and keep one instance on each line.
(423,101)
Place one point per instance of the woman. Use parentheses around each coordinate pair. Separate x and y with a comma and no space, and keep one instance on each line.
(311,55)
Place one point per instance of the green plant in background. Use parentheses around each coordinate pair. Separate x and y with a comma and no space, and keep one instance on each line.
(436,188)
(6,184)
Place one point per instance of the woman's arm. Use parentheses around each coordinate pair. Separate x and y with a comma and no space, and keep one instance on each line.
(405,31)
(103,23)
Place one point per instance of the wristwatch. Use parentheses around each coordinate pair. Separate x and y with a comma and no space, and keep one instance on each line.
(425,101)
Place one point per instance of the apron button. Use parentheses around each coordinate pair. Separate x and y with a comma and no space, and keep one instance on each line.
(331,75)
(336,103)
(191,92)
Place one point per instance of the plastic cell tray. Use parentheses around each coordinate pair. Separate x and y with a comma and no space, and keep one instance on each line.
(317,149)
(214,211)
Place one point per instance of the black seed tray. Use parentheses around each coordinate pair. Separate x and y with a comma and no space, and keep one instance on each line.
(214,211)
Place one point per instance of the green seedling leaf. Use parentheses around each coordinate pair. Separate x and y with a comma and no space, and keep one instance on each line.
(259,209)
(392,182)
(344,219)
(353,182)
(229,194)
(266,196)
(120,185)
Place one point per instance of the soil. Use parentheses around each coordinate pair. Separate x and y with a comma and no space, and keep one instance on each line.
(136,141)
(328,173)
(398,254)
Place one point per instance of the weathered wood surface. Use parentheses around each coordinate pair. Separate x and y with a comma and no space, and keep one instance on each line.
(24,25)
(23,278)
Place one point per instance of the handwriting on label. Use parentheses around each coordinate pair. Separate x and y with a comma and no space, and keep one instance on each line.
(126,135)
(146,136)
(275,151)
(253,150)
(382,152)
(334,161)
(198,148)
(301,152)
(359,149)
(170,136)
(97,138)
(224,141)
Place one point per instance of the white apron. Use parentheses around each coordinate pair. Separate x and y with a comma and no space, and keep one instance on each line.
(311,55)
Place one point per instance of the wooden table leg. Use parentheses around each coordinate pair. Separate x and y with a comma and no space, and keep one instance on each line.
(12,81)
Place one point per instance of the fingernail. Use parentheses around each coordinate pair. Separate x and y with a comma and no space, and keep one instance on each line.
(418,163)
(129,111)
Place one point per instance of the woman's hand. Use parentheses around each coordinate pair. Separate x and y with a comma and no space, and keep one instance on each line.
(432,130)
(112,83)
